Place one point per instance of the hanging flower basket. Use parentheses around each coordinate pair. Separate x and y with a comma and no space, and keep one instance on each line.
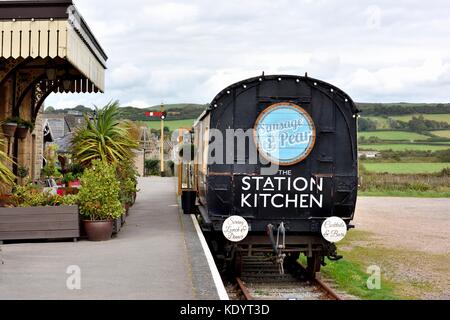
(21,132)
(9,129)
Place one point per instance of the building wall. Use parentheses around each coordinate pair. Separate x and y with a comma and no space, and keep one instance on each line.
(24,157)
(39,145)
(30,149)
(5,111)
(139,162)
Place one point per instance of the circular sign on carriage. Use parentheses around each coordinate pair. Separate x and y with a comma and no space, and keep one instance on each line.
(235,228)
(334,229)
(284,133)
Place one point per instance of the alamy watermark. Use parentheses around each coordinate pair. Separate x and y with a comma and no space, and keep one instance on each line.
(374,280)
(73,281)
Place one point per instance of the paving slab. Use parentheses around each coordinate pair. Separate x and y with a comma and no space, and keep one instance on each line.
(156,255)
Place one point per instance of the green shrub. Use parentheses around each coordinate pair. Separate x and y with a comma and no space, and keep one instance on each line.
(76,169)
(99,193)
(22,172)
(32,195)
(444,173)
(50,170)
(126,175)
(70,200)
(152,167)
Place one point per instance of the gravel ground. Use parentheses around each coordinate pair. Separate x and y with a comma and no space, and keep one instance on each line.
(419,230)
(421,224)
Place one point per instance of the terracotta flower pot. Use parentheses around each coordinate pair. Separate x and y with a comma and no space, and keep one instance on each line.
(21,132)
(9,129)
(98,230)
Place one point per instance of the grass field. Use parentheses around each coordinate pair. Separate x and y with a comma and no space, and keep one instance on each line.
(442,133)
(435,117)
(350,274)
(362,249)
(393,135)
(171,124)
(405,193)
(403,147)
(404,167)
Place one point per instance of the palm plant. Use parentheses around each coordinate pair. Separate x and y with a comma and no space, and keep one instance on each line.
(7,178)
(103,138)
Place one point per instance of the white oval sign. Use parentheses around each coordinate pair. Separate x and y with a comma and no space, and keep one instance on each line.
(334,229)
(235,228)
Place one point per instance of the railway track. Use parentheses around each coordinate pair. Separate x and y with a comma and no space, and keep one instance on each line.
(260,280)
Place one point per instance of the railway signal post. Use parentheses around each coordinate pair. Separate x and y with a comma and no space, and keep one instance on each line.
(161,115)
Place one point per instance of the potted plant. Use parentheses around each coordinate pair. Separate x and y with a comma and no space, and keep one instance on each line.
(126,174)
(9,126)
(23,126)
(99,200)
(67,179)
(34,213)
(22,172)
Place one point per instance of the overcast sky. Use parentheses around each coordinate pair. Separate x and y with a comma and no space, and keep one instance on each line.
(187,51)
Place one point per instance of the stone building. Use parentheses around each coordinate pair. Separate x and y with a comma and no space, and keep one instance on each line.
(46,47)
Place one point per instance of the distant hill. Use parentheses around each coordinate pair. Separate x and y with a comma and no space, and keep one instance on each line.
(183,111)
(177,106)
(178,111)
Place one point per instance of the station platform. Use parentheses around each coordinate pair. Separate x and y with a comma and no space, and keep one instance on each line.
(158,255)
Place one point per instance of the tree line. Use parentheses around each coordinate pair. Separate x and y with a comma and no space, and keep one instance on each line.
(398,109)
(416,124)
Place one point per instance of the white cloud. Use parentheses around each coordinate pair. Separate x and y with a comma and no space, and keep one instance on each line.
(405,82)
(168,14)
(178,51)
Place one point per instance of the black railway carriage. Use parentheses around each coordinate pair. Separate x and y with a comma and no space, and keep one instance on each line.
(304,126)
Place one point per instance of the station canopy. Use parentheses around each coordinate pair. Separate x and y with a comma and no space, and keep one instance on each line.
(52,38)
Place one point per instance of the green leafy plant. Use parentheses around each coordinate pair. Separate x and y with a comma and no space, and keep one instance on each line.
(30,195)
(70,200)
(26,124)
(76,169)
(69,177)
(20,122)
(103,138)
(22,172)
(7,178)
(152,167)
(99,194)
(12,120)
(50,170)
(126,174)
